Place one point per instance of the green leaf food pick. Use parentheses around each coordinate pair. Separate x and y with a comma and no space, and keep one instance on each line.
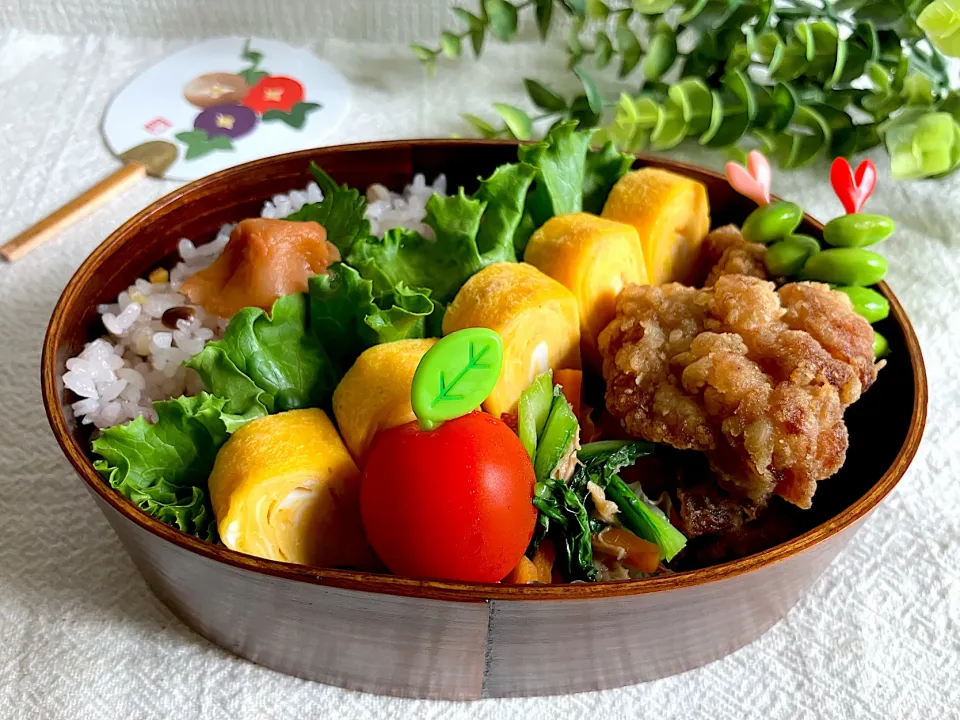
(456,375)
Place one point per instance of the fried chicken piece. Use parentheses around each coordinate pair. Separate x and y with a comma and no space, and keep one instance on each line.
(754,378)
(706,508)
(729,254)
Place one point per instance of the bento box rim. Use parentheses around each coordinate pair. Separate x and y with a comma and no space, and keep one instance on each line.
(453,591)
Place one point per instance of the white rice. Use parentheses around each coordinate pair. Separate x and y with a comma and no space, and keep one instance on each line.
(118,377)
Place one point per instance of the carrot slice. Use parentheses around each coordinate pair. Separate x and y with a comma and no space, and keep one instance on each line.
(543,560)
(571,382)
(633,551)
(523,573)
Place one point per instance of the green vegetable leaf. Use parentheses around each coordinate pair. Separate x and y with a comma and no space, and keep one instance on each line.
(565,506)
(266,364)
(456,375)
(341,212)
(602,170)
(502,18)
(518,122)
(470,233)
(406,256)
(601,462)
(505,194)
(543,97)
(347,319)
(560,160)
(163,467)
(533,409)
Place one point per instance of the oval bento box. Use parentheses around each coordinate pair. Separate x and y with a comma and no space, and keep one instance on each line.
(391,635)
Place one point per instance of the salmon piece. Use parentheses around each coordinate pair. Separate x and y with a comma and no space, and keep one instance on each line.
(263,260)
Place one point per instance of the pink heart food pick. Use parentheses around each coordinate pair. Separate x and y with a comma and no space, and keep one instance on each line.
(853,191)
(752,181)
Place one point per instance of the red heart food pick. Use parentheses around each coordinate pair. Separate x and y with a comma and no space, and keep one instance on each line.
(853,191)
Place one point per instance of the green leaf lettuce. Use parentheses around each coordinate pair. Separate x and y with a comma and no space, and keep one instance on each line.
(347,318)
(266,364)
(163,467)
(470,233)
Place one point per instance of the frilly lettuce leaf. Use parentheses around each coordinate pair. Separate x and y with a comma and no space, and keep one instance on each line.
(341,212)
(560,159)
(266,364)
(163,467)
(347,319)
(603,168)
(570,177)
(470,233)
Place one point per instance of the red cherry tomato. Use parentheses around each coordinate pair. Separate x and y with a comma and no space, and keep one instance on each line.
(453,503)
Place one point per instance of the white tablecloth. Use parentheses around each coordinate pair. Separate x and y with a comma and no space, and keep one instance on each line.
(82,637)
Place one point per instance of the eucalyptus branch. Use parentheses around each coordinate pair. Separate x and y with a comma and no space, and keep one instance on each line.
(801,79)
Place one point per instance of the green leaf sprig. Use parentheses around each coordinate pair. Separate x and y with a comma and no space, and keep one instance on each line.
(798,79)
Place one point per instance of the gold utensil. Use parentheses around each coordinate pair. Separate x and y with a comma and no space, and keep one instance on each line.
(150,158)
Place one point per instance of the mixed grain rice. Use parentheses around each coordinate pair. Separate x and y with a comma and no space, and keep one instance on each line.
(119,376)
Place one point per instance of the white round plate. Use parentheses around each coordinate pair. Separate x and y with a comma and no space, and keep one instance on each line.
(248,99)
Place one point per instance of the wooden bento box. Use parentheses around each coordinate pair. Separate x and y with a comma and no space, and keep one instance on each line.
(396,636)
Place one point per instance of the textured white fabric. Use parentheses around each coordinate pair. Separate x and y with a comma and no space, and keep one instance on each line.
(82,637)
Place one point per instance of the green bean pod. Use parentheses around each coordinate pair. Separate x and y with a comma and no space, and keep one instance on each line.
(857,230)
(772,222)
(845,266)
(788,256)
(881,348)
(868,303)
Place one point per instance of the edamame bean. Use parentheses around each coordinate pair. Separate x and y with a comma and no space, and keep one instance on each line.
(772,222)
(845,266)
(787,257)
(857,230)
(881,348)
(868,303)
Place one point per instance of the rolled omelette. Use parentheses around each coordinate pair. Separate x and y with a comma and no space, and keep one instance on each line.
(594,258)
(671,214)
(537,319)
(375,393)
(285,488)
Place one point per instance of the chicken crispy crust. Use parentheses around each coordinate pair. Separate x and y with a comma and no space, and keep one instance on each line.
(755,378)
(729,254)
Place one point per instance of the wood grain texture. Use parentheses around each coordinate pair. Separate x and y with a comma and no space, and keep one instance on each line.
(458,640)
(79,207)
